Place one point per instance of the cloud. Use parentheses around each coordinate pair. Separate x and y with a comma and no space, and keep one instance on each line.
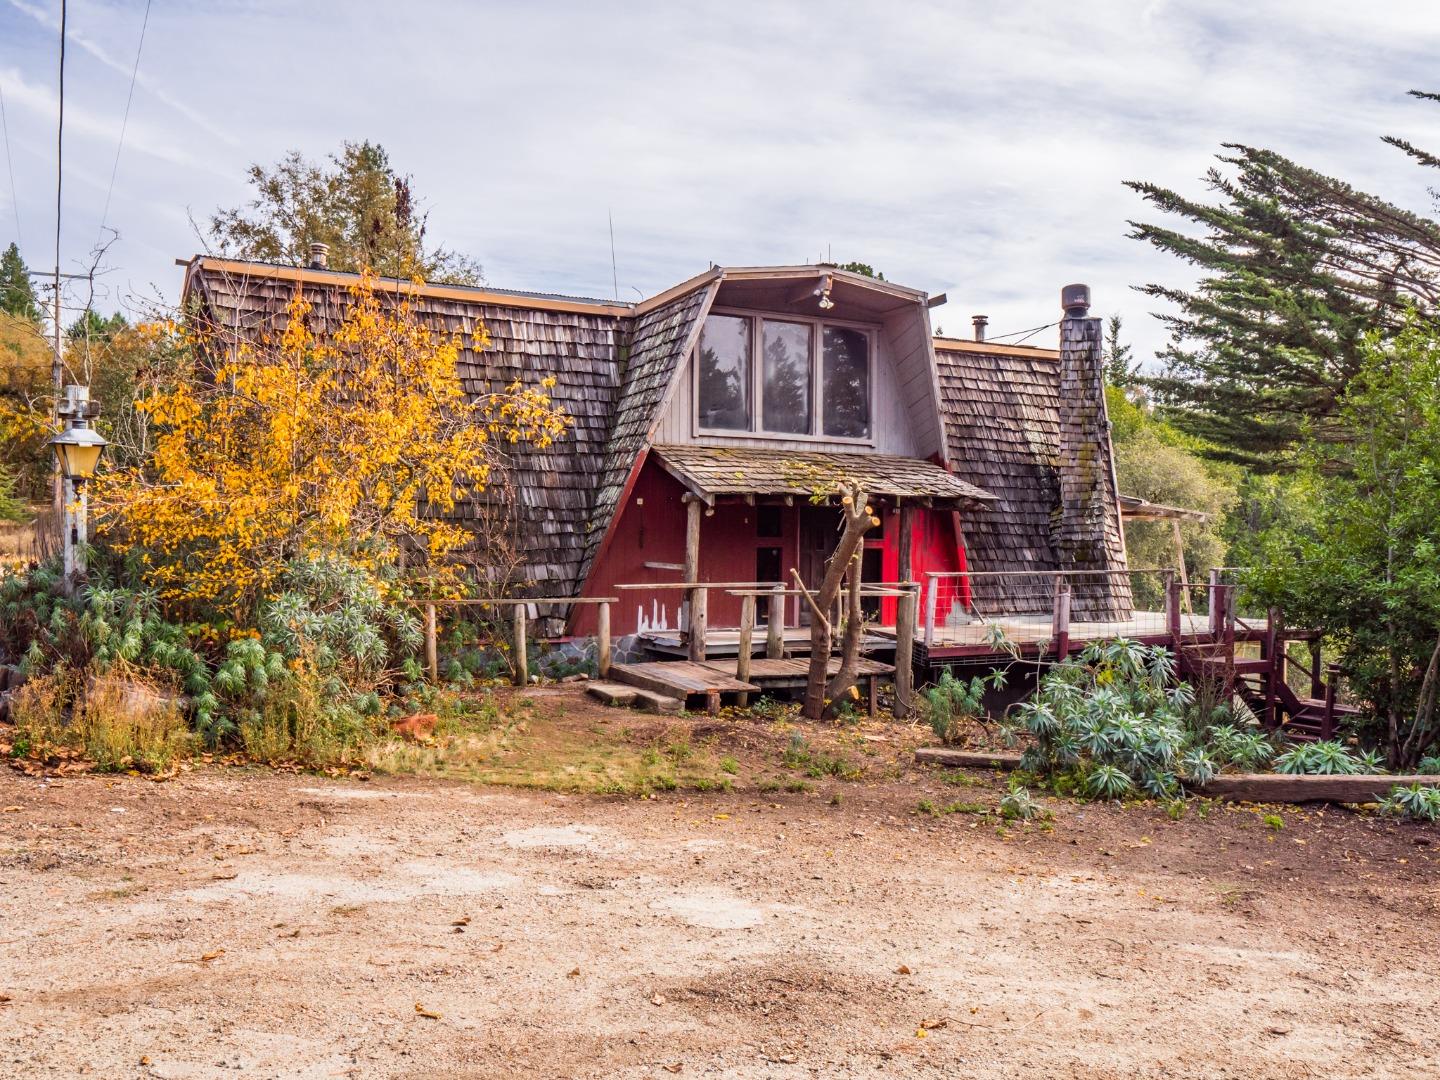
(971,148)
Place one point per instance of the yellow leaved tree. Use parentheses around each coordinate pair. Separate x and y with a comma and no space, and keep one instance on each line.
(359,441)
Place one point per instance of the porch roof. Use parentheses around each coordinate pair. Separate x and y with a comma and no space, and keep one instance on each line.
(710,471)
(1134,508)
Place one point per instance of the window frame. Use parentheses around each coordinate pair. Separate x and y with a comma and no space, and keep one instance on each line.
(817,380)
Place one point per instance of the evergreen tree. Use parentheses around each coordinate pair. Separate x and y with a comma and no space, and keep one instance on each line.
(17,292)
(1297,268)
(356,203)
(1120,369)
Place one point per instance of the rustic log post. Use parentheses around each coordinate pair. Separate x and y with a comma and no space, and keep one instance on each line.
(1172,610)
(932,587)
(522,663)
(1179,542)
(1227,615)
(432,649)
(1317,688)
(699,620)
(602,640)
(904,618)
(775,626)
(1060,622)
(1273,645)
(694,597)
(905,653)
(747,638)
(1327,725)
(1217,610)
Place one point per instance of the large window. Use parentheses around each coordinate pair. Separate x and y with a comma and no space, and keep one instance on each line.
(813,378)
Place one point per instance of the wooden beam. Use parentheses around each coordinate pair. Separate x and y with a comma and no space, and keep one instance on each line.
(1278,787)
(967,759)
(695,642)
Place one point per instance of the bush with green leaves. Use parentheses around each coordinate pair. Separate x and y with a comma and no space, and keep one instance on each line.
(1418,801)
(1326,758)
(950,703)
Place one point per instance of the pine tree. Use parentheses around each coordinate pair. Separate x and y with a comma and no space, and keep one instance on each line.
(17,292)
(356,203)
(1297,267)
(1120,369)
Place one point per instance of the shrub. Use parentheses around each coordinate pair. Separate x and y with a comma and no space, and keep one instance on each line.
(951,703)
(1417,801)
(1319,758)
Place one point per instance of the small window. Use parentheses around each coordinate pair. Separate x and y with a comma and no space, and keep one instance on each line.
(846,382)
(768,524)
(725,373)
(786,357)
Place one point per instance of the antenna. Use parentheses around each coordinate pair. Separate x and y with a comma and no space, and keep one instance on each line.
(614,271)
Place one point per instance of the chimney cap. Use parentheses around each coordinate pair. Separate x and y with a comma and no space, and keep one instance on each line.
(319,255)
(980,322)
(1075,300)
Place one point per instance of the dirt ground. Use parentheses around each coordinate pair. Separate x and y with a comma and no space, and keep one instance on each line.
(263,924)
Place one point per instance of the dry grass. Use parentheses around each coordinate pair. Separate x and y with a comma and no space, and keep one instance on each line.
(116,723)
(529,745)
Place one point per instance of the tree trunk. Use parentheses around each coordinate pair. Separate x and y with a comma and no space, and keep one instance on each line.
(845,677)
(858,521)
(1415,742)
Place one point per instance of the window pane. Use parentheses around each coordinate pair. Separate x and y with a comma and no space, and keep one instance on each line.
(725,373)
(787,377)
(847,382)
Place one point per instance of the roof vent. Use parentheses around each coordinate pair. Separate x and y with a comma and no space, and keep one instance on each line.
(1075,299)
(980,321)
(319,256)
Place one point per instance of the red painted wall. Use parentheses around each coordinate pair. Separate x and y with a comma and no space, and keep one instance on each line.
(651,528)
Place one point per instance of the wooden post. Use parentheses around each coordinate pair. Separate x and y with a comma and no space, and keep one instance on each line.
(775,627)
(694,598)
(1227,617)
(1172,610)
(1060,622)
(602,640)
(1180,562)
(1317,688)
(1213,598)
(747,639)
(432,651)
(904,619)
(1273,649)
(1327,725)
(932,586)
(522,664)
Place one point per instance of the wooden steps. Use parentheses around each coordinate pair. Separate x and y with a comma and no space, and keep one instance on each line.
(633,697)
(681,679)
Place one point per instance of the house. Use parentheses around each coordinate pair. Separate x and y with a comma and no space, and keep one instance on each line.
(732,402)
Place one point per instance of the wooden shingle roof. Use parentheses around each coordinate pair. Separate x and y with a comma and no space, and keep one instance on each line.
(710,471)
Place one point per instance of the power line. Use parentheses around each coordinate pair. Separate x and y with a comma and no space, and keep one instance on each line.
(1016,333)
(10,164)
(124,122)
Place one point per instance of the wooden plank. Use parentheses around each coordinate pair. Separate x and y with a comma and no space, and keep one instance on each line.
(678,676)
(967,759)
(432,655)
(695,597)
(1277,787)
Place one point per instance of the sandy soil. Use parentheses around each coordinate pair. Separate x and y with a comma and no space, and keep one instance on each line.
(249,923)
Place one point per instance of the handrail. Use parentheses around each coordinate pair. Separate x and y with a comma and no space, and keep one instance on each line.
(1042,573)
(518,600)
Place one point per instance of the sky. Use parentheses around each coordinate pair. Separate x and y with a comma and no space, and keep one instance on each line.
(971,148)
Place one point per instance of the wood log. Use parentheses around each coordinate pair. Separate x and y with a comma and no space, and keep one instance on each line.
(432,651)
(775,627)
(1278,787)
(745,645)
(967,759)
(602,640)
(694,597)
(905,618)
(522,663)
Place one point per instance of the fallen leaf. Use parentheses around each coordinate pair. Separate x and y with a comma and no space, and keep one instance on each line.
(145,1060)
(902,970)
(722,817)
(5,999)
(12,809)
(573,973)
(426,1012)
(934,1025)
(464,920)
(673,1068)
(212,956)
(920,1033)
(223,877)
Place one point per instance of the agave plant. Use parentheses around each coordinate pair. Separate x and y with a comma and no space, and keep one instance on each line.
(1108,782)
(1326,758)
(1417,800)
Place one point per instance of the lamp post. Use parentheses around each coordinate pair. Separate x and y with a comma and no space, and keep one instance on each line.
(78,448)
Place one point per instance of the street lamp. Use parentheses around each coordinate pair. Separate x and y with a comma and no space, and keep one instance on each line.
(77,449)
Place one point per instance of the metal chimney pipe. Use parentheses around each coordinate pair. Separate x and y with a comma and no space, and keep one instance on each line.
(319,256)
(980,321)
(1075,299)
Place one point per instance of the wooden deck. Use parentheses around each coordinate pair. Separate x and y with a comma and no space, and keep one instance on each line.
(685,679)
(722,643)
(792,674)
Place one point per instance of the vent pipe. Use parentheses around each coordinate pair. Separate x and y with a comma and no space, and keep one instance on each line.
(319,256)
(980,321)
(1075,299)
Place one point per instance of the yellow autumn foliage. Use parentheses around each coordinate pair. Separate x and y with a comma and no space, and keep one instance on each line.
(299,444)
